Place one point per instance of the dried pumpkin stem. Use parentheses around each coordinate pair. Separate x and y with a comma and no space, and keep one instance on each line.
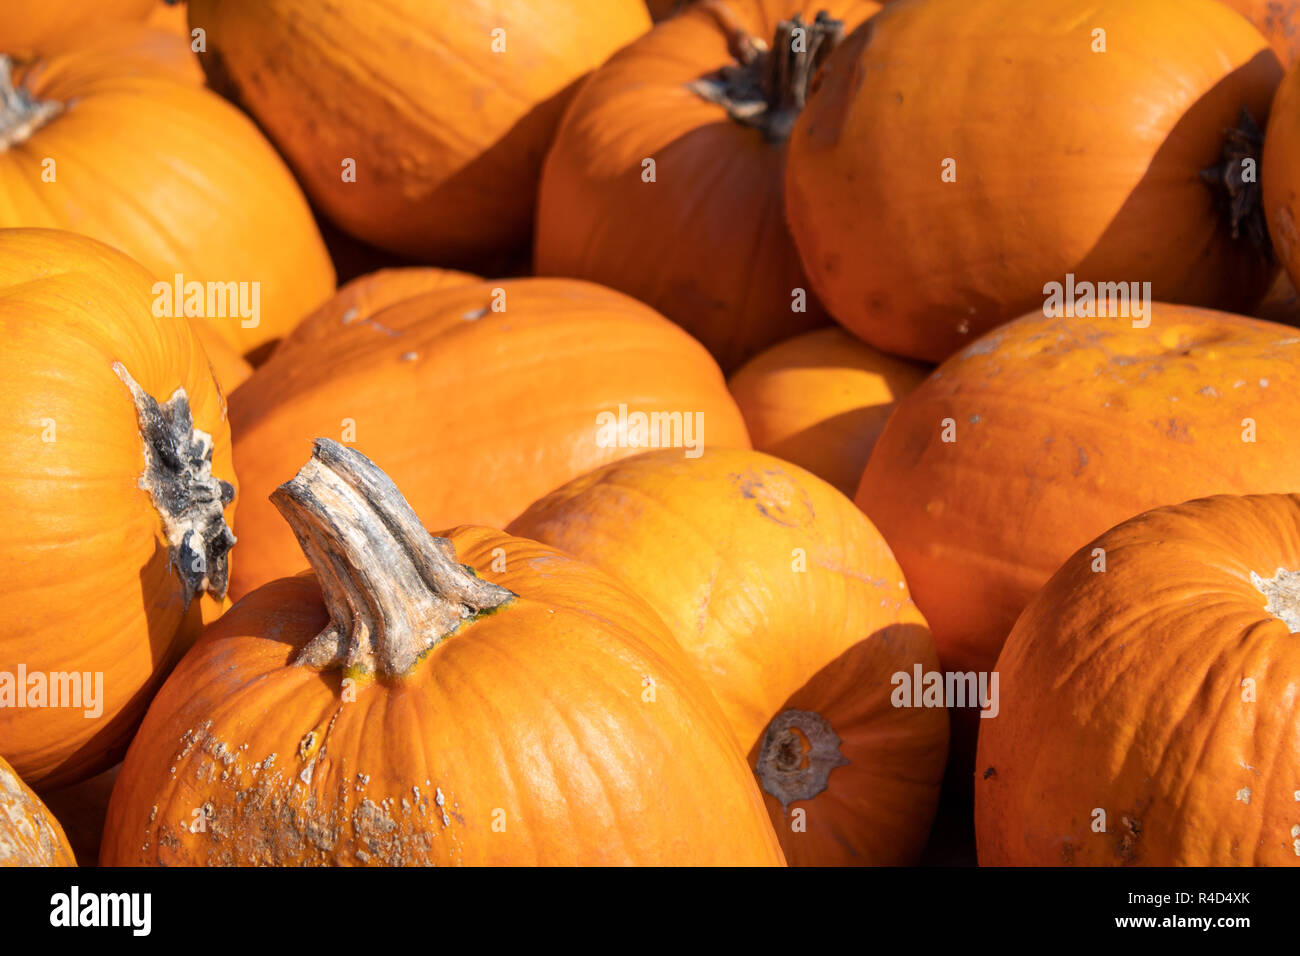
(1239,198)
(20,114)
(392,590)
(767,87)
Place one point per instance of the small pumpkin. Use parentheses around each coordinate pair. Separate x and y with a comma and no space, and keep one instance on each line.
(797,616)
(1162,693)
(929,203)
(1048,431)
(32,27)
(709,102)
(820,400)
(1278,20)
(470,699)
(180,181)
(479,397)
(419,128)
(118,491)
(29,833)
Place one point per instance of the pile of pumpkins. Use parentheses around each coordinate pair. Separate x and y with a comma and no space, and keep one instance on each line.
(666,432)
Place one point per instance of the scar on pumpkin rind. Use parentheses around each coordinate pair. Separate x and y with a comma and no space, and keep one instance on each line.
(190,499)
(798,753)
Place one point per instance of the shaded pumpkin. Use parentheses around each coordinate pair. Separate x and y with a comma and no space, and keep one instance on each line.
(81,808)
(1048,431)
(471,699)
(445,108)
(930,203)
(1279,181)
(1162,692)
(796,615)
(521,383)
(114,147)
(1282,304)
(118,490)
(1278,20)
(32,27)
(820,400)
(704,241)
(29,833)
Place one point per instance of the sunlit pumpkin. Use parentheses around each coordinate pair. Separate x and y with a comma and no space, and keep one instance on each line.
(1278,20)
(29,833)
(31,27)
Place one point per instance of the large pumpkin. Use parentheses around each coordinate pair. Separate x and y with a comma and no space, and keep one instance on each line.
(419,126)
(469,699)
(117,487)
(797,616)
(479,398)
(709,99)
(1048,431)
(100,143)
(29,833)
(1149,703)
(960,156)
(820,400)
(30,27)
(1278,20)
(1280,175)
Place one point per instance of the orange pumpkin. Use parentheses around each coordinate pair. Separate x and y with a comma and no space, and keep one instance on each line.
(1048,431)
(1157,698)
(820,400)
(228,367)
(796,614)
(949,166)
(419,127)
(30,27)
(471,699)
(81,809)
(29,833)
(1279,179)
(1278,20)
(108,145)
(524,384)
(701,236)
(118,491)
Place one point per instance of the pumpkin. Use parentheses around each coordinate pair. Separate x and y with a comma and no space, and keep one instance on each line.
(1278,20)
(1282,304)
(419,127)
(1157,698)
(180,180)
(30,27)
(533,711)
(479,398)
(1047,431)
(81,808)
(1279,180)
(118,491)
(701,236)
(794,611)
(228,367)
(820,401)
(29,833)
(950,167)
(171,15)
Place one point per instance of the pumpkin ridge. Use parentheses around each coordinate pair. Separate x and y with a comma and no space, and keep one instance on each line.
(21,114)
(393,591)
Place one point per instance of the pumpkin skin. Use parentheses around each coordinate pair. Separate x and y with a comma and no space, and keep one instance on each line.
(451,180)
(29,833)
(1278,178)
(920,267)
(711,544)
(561,354)
(160,190)
(706,243)
(820,401)
(228,367)
(31,27)
(1091,420)
(76,318)
(1278,20)
(81,809)
(573,758)
(1153,724)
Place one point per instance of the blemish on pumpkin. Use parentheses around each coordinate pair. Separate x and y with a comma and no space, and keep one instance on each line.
(1244,795)
(1281,596)
(1129,833)
(990,772)
(351,315)
(776,497)
(410,356)
(473,315)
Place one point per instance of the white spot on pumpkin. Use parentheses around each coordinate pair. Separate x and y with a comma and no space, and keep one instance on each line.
(350,315)
(1263,383)
(1244,795)
(1282,596)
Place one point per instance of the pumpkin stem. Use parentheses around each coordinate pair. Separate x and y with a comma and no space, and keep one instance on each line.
(190,499)
(1240,200)
(767,87)
(20,114)
(392,590)
(798,753)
